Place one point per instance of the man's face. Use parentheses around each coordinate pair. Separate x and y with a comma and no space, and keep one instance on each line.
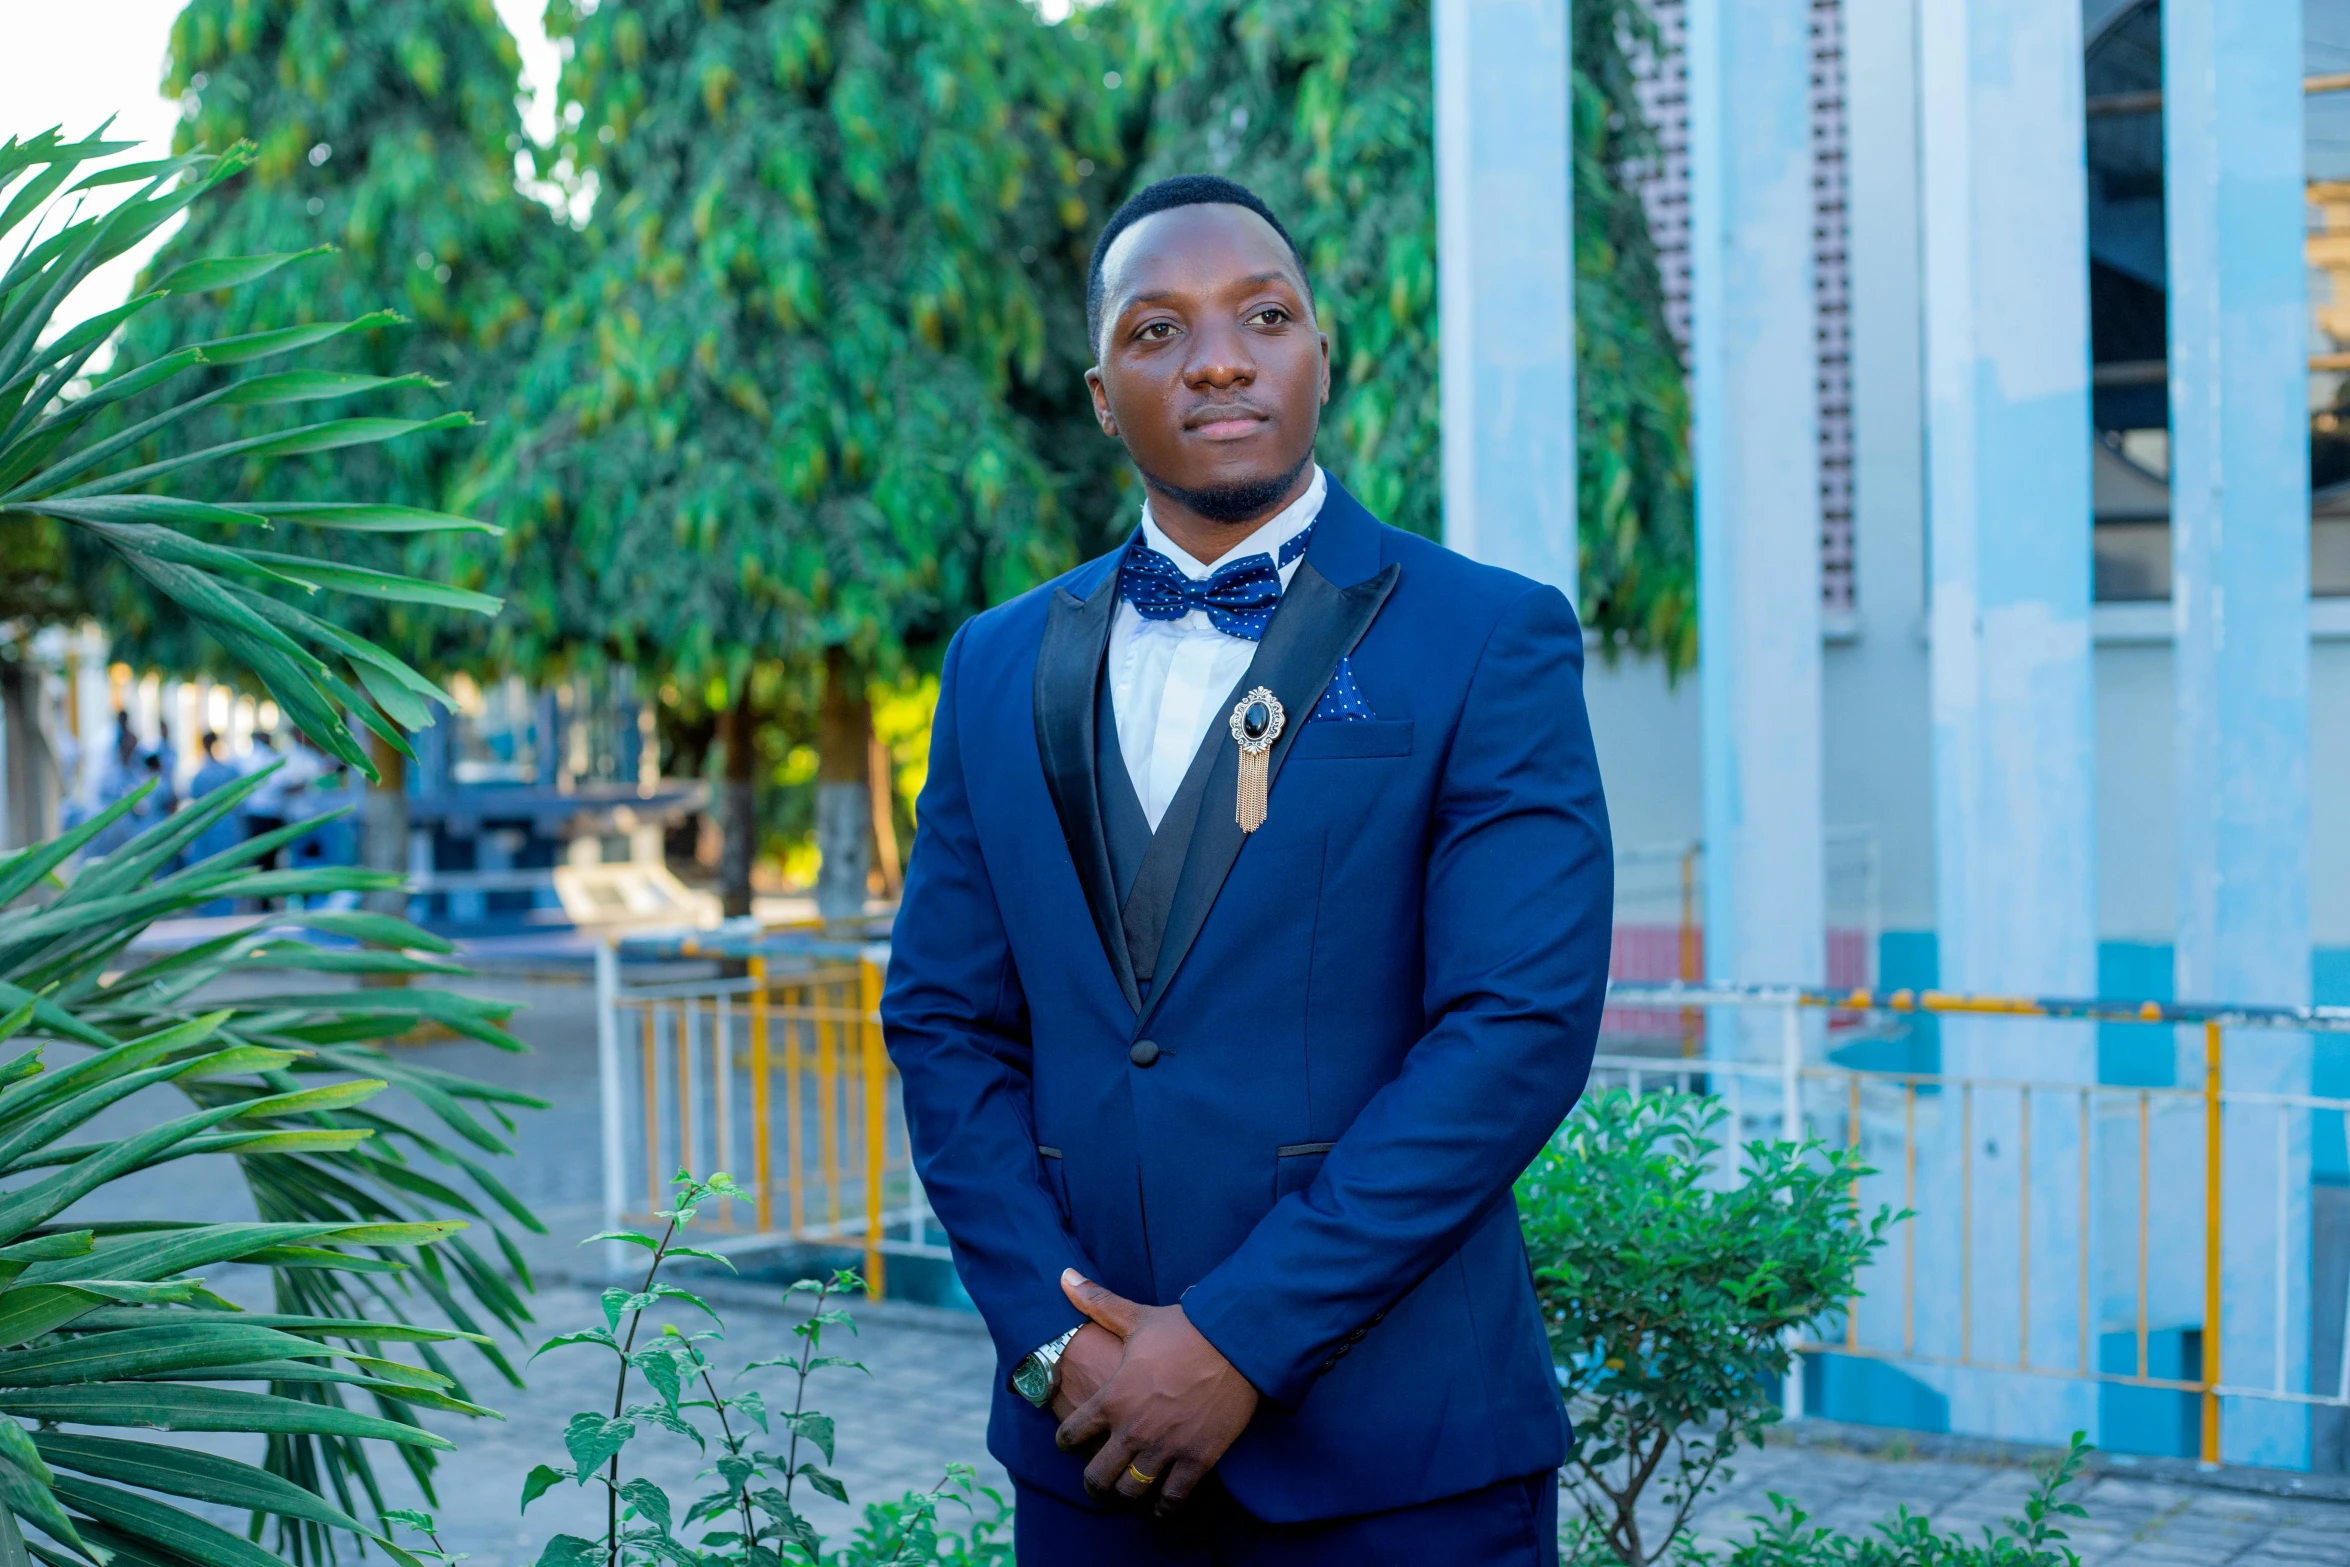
(1212,371)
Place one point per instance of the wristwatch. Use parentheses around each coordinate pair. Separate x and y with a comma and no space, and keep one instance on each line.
(1040,1370)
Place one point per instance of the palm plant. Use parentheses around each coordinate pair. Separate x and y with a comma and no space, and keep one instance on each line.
(107,1324)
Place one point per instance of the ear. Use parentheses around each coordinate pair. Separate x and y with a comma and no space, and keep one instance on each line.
(1324,337)
(1101,398)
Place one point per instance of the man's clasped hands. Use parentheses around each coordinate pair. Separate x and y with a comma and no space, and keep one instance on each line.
(1154,1401)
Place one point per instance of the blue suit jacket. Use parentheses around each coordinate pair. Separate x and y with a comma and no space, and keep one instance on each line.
(1370,1014)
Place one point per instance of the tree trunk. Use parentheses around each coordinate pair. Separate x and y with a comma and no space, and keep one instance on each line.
(383,829)
(844,797)
(738,817)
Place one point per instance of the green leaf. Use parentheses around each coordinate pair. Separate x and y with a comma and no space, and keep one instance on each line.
(335,434)
(310,386)
(192,1473)
(166,1407)
(569,1550)
(824,1482)
(591,1439)
(285,340)
(370,517)
(152,509)
(369,583)
(627,1237)
(541,1480)
(202,277)
(650,1502)
(143,1518)
(815,1428)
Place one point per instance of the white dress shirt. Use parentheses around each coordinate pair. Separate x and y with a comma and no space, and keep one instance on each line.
(1169,678)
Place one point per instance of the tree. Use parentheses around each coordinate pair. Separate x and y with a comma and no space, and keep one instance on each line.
(1327,111)
(788,413)
(387,136)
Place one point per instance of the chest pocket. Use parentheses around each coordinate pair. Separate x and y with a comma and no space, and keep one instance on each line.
(1331,740)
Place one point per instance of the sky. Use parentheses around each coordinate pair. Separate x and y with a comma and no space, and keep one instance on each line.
(74,62)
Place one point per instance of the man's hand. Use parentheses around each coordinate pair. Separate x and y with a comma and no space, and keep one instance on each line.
(1086,1365)
(1167,1413)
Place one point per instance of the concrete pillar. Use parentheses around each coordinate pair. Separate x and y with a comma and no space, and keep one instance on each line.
(2240,573)
(2007,352)
(1505,283)
(1755,417)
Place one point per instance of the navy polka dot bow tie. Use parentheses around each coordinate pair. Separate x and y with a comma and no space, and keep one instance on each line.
(1239,599)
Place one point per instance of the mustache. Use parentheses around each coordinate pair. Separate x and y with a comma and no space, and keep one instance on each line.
(1209,413)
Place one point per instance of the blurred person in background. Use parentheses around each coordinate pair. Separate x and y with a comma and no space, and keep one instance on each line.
(217,772)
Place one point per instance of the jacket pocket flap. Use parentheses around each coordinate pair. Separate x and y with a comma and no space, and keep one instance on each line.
(1334,737)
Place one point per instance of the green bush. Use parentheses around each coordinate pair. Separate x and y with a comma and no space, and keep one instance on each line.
(1671,1290)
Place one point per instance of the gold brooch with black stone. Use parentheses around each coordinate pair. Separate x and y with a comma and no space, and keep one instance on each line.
(1256,723)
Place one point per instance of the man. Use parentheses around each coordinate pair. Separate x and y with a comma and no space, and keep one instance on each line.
(1254,939)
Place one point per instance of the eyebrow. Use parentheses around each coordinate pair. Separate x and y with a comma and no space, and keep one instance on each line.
(1253,280)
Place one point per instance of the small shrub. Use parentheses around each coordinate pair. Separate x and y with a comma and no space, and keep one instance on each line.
(750,1514)
(1670,1294)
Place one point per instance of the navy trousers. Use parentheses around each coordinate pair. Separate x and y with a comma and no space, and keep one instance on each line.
(1512,1524)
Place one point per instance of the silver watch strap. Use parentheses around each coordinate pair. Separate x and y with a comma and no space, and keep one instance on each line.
(1045,1357)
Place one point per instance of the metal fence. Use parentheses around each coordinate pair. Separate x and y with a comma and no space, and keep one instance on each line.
(2104,1150)
(776,1075)
(780,1070)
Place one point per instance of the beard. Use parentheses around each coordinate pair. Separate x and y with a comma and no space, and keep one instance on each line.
(1239,500)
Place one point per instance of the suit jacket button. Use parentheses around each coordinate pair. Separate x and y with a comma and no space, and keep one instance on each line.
(1142,1052)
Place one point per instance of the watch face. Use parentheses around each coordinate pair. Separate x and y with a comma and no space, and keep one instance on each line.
(1034,1380)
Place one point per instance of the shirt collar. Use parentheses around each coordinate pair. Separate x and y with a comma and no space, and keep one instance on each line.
(1277,530)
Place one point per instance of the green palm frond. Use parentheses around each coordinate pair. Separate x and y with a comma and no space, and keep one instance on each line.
(71,442)
(366,1219)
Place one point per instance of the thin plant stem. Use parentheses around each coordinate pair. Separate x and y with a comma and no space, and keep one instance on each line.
(619,1395)
(791,1460)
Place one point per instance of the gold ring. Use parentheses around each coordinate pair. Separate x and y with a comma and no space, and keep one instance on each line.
(1141,1477)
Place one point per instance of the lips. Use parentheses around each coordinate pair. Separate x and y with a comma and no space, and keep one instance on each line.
(1226,423)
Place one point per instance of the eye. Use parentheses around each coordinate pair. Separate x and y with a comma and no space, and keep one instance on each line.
(1270,315)
(1155,331)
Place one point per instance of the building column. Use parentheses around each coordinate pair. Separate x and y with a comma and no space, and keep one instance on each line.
(2239,329)
(1755,417)
(2007,353)
(1505,283)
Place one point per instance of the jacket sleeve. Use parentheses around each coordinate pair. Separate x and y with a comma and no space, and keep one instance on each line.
(956,1022)
(1518,904)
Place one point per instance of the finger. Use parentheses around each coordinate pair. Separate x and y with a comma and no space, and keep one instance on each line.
(1102,1474)
(1142,1471)
(1176,1482)
(1086,1425)
(1105,1306)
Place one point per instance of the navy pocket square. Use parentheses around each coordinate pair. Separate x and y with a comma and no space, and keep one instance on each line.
(1342,700)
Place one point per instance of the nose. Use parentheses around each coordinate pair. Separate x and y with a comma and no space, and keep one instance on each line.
(1220,359)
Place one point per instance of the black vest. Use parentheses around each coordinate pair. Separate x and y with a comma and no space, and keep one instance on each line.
(1145,866)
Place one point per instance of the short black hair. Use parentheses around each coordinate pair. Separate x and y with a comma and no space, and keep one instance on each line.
(1178,190)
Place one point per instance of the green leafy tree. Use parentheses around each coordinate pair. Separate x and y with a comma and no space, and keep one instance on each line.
(1327,111)
(386,134)
(786,415)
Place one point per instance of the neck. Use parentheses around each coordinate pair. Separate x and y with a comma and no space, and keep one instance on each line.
(1209,539)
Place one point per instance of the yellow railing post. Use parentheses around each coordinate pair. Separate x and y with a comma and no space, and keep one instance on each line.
(2211,1241)
(762,1173)
(876,1121)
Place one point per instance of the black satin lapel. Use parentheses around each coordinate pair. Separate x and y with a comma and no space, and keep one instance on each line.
(1068,663)
(1316,626)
